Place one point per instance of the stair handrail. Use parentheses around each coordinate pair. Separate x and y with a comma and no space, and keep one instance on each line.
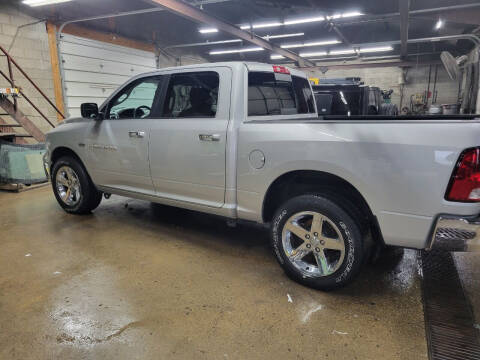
(11,61)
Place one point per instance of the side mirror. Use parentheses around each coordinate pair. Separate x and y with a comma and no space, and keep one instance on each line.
(90,111)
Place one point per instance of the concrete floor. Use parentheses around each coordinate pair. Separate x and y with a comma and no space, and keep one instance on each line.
(468,266)
(142,281)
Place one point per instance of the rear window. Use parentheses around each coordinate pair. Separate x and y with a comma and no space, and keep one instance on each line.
(278,94)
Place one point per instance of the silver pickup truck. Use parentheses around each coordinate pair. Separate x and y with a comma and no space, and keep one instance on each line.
(244,141)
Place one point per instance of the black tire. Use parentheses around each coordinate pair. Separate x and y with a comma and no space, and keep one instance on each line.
(344,270)
(89,198)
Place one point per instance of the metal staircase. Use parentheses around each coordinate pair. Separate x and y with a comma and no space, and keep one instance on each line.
(9,102)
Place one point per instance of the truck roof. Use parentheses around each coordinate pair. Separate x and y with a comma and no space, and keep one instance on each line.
(250,65)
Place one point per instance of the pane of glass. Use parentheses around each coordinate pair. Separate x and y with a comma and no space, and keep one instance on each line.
(192,95)
(345,100)
(268,95)
(136,100)
(304,95)
(324,103)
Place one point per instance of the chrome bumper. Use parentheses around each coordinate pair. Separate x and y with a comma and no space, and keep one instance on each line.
(456,233)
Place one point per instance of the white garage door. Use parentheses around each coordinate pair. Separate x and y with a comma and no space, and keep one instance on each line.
(92,70)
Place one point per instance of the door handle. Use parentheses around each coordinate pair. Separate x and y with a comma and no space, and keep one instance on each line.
(136,134)
(209,137)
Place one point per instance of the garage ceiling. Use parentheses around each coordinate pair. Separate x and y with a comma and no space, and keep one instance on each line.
(380,22)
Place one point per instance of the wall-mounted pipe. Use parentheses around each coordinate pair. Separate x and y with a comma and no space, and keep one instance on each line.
(473,38)
(413,13)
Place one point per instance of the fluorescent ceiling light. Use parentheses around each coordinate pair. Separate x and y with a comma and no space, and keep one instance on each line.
(376,49)
(342,52)
(334,17)
(221,42)
(440,23)
(224,41)
(296,21)
(344,15)
(276,57)
(351,14)
(267,37)
(265,25)
(261,25)
(310,43)
(304,20)
(207,30)
(317,53)
(43,2)
(233,51)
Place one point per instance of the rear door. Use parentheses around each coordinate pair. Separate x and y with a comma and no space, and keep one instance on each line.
(188,142)
(118,146)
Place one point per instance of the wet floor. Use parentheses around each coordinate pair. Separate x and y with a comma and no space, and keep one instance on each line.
(468,267)
(142,281)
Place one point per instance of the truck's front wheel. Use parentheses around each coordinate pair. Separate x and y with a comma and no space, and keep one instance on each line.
(316,242)
(73,188)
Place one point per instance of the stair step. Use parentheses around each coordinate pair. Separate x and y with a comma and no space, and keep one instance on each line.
(14,135)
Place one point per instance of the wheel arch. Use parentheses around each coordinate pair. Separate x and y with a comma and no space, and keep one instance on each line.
(60,151)
(301,182)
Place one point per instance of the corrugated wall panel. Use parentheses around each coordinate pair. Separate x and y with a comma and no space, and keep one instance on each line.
(92,70)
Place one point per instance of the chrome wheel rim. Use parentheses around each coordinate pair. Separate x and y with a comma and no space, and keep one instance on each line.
(313,244)
(68,186)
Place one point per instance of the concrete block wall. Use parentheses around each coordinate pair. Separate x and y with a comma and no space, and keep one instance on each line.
(388,78)
(31,51)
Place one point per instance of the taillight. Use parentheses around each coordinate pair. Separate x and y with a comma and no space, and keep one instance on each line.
(280,69)
(465,183)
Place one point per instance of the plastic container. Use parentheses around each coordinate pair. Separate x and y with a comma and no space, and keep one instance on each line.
(450,109)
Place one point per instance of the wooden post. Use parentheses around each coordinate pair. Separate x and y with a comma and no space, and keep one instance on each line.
(54,59)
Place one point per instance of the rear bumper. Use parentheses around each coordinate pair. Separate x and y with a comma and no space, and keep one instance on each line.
(456,233)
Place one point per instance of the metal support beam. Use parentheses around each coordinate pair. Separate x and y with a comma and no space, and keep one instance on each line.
(187,11)
(340,33)
(404,6)
(382,64)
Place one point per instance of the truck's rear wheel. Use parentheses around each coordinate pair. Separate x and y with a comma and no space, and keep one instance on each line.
(316,242)
(73,188)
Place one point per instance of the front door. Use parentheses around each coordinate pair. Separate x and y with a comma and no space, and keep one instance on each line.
(187,147)
(118,146)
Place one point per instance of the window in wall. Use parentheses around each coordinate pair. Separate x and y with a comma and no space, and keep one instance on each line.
(191,95)
(136,100)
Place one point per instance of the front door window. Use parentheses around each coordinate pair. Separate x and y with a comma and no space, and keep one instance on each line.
(136,100)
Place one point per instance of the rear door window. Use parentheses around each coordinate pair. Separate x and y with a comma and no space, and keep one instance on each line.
(192,95)
(269,94)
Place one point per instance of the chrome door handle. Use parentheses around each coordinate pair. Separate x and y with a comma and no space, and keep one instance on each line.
(136,134)
(209,137)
